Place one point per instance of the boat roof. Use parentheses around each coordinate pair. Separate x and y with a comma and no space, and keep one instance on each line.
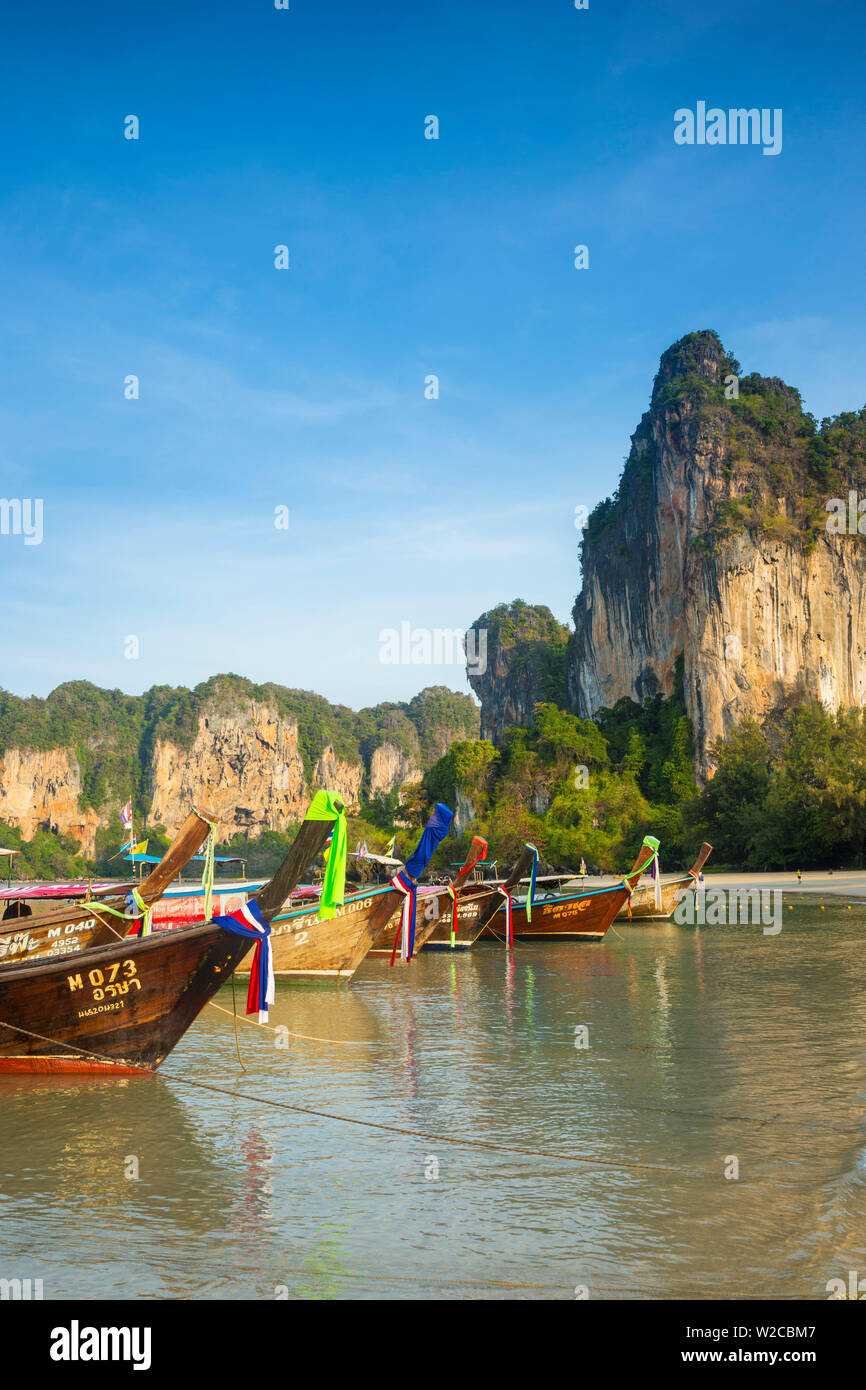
(40,889)
(158,858)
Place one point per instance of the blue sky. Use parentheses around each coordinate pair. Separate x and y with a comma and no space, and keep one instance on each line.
(305,388)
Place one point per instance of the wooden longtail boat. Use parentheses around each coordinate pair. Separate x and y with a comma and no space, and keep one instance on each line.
(643,901)
(305,948)
(476,905)
(120,1009)
(575,916)
(431,906)
(79,925)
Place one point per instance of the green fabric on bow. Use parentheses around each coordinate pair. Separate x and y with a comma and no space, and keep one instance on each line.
(144,912)
(532,877)
(207,871)
(323,807)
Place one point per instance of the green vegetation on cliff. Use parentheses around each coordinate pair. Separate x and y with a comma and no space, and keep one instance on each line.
(518,661)
(113,735)
(577,787)
(778,466)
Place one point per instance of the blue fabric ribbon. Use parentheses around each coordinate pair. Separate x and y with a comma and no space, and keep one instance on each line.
(435,830)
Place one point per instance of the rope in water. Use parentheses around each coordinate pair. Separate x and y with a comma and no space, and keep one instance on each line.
(308,1037)
(374,1124)
(467,1142)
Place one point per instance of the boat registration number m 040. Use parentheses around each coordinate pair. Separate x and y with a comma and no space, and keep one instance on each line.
(112,982)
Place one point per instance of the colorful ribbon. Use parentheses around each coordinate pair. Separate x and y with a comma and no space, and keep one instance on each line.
(405,937)
(207,871)
(648,842)
(455,894)
(248,921)
(509,924)
(135,908)
(531,894)
(323,807)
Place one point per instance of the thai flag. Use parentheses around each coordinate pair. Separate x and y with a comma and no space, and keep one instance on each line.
(126,814)
(248,921)
(405,937)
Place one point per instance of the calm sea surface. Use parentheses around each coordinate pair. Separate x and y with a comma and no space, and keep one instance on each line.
(707,1046)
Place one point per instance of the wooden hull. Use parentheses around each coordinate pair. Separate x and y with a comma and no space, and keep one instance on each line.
(306,949)
(467,930)
(581,917)
(38,941)
(643,900)
(114,1008)
(430,909)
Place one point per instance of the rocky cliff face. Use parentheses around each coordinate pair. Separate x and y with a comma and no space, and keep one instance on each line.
(252,754)
(716,548)
(41,791)
(525,664)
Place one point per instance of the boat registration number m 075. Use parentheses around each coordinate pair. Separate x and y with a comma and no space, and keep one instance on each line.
(567,908)
(108,983)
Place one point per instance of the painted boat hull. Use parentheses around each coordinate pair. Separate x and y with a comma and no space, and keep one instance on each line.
(77,927)
(582,917)
(467,929)
(112,1009)
(431,908)
(306,949)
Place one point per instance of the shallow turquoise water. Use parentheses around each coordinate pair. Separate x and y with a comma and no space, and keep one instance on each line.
(705,1046)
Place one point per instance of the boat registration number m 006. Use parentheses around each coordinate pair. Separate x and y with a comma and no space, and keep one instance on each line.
(112,982)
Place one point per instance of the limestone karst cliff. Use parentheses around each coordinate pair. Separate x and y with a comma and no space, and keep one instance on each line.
(715,548)
(253,754)
(524,663)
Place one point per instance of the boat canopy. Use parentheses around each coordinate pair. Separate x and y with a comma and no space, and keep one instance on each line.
(157,858)
(40,889)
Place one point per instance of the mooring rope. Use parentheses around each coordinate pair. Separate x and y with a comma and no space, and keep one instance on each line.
(372,1124)
(308,1037)
(467,1142)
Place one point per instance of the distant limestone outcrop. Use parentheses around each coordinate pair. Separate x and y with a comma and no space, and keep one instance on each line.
(716,549)
(254,754)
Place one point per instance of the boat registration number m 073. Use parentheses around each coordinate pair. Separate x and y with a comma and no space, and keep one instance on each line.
(108,983)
